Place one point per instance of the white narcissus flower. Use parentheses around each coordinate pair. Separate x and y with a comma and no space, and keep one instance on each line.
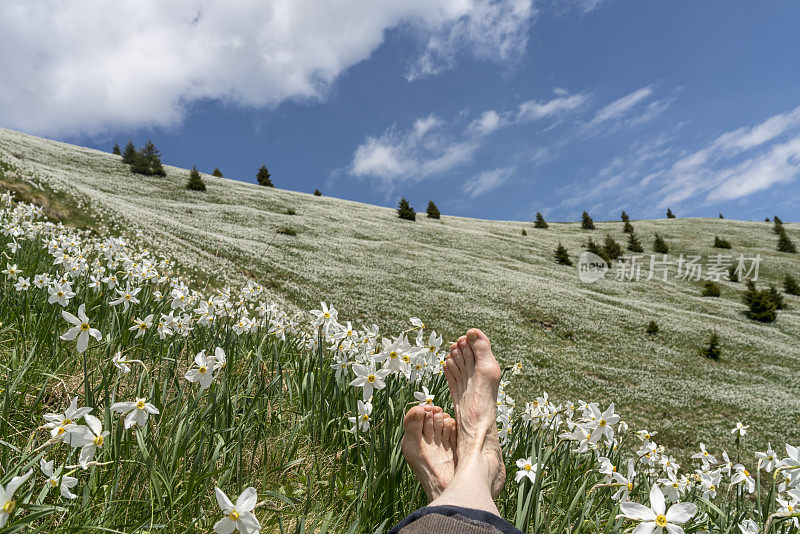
(424,396)
(368,378)
(740,429)
(203,372)
(65,483)
(121,363)
(136,411)
(7,502)
(60,293)
(656,518)
(90,438)
(219,359)
(58,424)
(364,412)
(141,325)
(239,516)
(526,469)
(80,328)
(742,476)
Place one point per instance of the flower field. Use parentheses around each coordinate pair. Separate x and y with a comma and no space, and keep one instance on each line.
(154,381)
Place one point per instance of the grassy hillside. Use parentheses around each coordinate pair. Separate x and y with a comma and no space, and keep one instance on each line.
(575,340)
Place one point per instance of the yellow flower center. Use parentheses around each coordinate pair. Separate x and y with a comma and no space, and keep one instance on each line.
(429,401)
(630,486)
(53,482)
(60,293)
(661,521)
(327,315)
(349,333)
(393,355)
(705,453)
(140,404)
(432,348)
(10,507)
(712,487)
(202,369)
(234,515)
(406,358)
(98,440)
(746,473)
(371,379)
(528,467)
(60,430)
(66,422)
(85,326)
(365,417)
(602,422)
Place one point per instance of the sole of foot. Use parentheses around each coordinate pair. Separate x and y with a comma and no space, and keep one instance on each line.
(473,376)
(429,447)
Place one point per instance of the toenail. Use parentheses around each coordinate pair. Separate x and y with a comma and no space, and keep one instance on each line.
(472,335)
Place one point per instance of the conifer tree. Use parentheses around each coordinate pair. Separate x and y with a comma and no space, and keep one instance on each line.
(317,193)
(586,222)
(524,232)
(433,211)
(612,249)
(539,222)
(712,349)
(624,217)
(263,177)
(195,182)
(790,285)
(140,164)
(634,245)
(148,161)
(776,297)
(659,245)
(596,249)
(766,219)
(720,216)
(760,304)
(116,151)
(129,156)
(785,244)
(627,227)
(777,225)
(721,243)
(670,215)
(710,289)
(405,211)
(562,256)
(217,173)
(652,327)
(733,274)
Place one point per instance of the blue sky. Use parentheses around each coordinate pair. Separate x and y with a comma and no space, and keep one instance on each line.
(492,108)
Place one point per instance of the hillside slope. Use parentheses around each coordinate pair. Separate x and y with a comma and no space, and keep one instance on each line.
(575,340)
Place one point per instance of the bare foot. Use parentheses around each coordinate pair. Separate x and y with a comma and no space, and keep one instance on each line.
(429,446)
(473,375)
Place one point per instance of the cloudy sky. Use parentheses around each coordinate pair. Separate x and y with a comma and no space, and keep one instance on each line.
(492,108)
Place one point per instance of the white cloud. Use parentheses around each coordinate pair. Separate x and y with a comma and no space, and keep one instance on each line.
(659,173)
(488,122)
(534,109)
(486,181)
(86,66)
(425,150)
(493,30)
(621,106)
(432,146)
